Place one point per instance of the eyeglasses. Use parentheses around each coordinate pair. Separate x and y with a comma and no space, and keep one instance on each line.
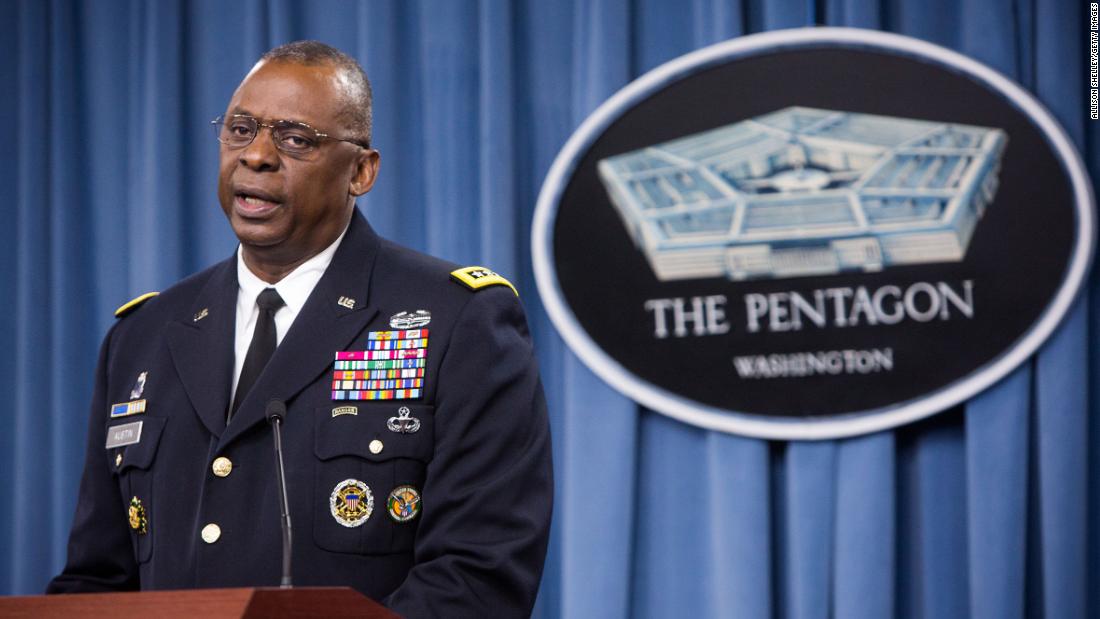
(293,138)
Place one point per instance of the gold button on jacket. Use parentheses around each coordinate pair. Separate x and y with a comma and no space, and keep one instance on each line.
(222,466)
(211,533)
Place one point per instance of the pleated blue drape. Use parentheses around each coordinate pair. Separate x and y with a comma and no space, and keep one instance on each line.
(107,182)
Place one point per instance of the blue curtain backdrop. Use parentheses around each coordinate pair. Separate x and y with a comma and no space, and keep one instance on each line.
(107,177)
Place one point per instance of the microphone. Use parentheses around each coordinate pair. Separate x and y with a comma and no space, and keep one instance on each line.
(276,412)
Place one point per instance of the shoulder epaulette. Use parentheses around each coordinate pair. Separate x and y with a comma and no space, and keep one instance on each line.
(476,278)
(133,304)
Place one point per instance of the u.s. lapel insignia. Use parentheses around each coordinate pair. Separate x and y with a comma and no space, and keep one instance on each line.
(139,386)
(410,320)
(351,502)
(403,503)
(203,313)
(392,367)
(136,515)
(347,302)
(404,422)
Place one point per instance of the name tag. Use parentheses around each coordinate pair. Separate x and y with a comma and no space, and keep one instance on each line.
(125,434)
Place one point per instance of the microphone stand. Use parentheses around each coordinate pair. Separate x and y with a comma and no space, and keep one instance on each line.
(276,411)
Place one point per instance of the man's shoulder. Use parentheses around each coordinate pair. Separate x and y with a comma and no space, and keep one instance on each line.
(399,260)
(412,268)
(167,304)
(406,272)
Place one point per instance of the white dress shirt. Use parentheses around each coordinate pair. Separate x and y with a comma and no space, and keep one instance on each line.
(295,288)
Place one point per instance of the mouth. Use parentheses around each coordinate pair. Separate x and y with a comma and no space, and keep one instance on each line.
(254,203)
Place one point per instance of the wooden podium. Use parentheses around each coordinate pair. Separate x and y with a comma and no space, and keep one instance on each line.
(206,603)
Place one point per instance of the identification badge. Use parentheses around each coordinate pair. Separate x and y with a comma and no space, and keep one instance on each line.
(351,503)
(125,434)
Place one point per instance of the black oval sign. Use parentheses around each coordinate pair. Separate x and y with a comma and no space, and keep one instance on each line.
(812,233)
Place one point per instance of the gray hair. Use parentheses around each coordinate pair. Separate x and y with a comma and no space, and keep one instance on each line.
(356,86)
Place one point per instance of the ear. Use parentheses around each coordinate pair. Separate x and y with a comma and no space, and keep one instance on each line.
(366,170)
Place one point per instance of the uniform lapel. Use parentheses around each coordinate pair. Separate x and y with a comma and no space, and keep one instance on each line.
(201,346)
(325,325)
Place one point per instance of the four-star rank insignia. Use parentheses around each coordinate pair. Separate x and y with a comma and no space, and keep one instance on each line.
(136,515)
(133,304)
(392,367)
(476,278)
(351,502)
(403,503)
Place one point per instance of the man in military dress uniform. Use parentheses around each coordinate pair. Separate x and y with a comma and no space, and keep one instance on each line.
(416,441)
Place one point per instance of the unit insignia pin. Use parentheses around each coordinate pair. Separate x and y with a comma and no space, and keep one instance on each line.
(351,502)
(136,516)
(403,503)
(410,320)
(404,422)
(347,302)
(139,386)
(118,460)
(203,313)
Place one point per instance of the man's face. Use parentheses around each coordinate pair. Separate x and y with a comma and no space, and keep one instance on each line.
(284,208)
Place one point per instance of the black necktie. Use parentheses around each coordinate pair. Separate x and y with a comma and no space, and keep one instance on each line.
(262,346)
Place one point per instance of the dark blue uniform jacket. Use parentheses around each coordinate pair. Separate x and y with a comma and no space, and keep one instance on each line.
(480,460)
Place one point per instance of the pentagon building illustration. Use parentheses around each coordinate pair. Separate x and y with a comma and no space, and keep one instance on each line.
(804,191)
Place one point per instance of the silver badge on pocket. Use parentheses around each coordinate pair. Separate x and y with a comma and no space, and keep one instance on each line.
(404,422)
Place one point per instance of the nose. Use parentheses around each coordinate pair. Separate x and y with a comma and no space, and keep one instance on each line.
(260,155)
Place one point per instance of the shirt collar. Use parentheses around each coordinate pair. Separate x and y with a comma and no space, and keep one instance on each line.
(295,287)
